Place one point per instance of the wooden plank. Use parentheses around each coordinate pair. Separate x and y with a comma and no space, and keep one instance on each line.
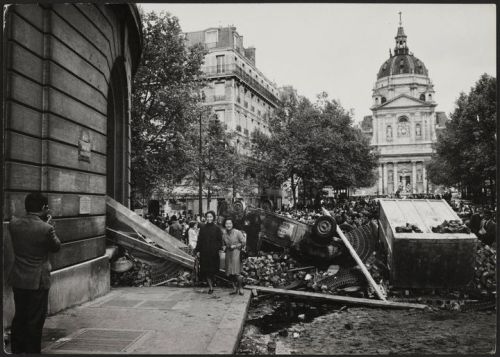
(25,62)
(24,119)
(120,213)
(65,155)
(22,176)
(357,259)
(69,132)
(79,44)
(24,90)
(64,180)
(68,83)
(67,107)
(22,147)
(27,35)
(76,252)
(76,64)
(338,298)
(60,204)
(126,240)
(32,12)
(71,229)
(84,26)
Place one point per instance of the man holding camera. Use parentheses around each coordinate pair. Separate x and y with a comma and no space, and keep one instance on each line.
(33,237)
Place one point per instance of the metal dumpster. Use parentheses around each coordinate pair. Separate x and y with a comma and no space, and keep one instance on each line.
(427,259)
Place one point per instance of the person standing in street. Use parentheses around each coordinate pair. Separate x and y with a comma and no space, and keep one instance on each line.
(234,241)
(175,229)
(192,234)
(207,249)
(33,238)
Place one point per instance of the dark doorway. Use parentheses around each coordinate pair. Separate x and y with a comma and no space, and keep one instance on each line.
(117,179)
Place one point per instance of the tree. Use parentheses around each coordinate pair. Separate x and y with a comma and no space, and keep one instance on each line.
(164,104)
(315,145)
(465,150)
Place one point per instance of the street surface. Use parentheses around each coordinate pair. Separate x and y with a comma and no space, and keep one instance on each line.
(154,320)
(325,330)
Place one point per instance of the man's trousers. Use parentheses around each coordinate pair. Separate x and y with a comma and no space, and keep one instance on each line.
(27,325)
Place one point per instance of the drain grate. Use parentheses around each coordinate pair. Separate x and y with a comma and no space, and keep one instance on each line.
(100,340)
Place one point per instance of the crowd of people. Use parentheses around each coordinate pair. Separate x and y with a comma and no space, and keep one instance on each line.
(207,236)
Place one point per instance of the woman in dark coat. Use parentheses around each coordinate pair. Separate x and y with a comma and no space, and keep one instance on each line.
(207,249)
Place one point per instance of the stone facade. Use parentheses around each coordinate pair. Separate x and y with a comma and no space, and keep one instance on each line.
(404,123)
(240,95)
(68,71)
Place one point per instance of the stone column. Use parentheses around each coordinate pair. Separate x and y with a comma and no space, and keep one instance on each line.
(380,187)
(384,173)
(396,181)
(424,177)
(414,176)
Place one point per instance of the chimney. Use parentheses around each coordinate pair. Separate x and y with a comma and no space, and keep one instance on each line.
(250,54)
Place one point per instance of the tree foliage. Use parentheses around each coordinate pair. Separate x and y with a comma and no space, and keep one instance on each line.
(164,104)
(465,150)
(315,145)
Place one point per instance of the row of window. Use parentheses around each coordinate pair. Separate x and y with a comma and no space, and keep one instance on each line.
(221,63)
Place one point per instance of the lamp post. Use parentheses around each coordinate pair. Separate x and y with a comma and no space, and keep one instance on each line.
(200,193)
(200,173)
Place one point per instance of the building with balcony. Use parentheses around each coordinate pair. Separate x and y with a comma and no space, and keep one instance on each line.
(243,99)
(404,123)
(241,96)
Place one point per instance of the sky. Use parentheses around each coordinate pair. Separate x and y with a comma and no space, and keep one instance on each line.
(339,48)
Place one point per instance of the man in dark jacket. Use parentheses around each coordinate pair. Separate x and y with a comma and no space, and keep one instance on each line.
(33,237)
(175,228)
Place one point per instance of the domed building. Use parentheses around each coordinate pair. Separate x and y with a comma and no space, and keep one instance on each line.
(404,122)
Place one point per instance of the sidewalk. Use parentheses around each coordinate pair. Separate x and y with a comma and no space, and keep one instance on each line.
(150,320)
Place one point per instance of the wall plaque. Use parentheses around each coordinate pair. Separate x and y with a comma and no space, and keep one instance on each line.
(84,205)
(84,147)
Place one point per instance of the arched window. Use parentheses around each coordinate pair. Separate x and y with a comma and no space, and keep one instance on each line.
(383,100)
(403,126)
(422,97)
(388,132)
(418,129)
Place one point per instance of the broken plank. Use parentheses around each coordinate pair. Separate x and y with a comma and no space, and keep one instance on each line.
(124,239)
(119,215)
(338,298)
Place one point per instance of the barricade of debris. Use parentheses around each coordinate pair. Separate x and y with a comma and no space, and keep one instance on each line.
(129,270)
(281,271)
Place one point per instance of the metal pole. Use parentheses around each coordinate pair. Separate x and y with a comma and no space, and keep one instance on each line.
(200,198)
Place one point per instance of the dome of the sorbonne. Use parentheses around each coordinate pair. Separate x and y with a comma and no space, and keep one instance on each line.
(402,61)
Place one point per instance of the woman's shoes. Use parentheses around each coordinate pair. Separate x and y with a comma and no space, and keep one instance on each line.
(211,291)
(240,292)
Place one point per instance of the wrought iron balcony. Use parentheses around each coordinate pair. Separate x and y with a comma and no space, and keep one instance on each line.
(218,98)
(226,70)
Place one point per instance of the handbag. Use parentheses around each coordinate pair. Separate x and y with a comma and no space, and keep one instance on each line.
(482,231)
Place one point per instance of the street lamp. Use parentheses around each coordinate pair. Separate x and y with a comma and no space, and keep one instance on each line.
(200,177)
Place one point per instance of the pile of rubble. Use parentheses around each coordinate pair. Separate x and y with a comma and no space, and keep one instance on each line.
(142,274)
(484,284)
(271,270)
(451,226)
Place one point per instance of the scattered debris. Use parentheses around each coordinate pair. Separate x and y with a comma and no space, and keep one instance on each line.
(451,226)
(409,228)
